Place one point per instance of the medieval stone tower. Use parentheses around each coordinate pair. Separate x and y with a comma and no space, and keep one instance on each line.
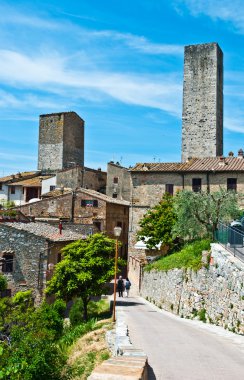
(202,119)
(61,141)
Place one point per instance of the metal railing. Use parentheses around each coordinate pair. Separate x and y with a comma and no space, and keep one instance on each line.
(232,239)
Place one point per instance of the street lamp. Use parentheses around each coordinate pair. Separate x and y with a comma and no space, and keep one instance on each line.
(117,232)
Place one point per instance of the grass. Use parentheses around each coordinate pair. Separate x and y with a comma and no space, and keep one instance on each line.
(87,352)
(84,344)
(190,256)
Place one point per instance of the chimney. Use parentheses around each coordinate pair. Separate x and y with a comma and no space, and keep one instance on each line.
(240,153)
(231,154)
(221,160)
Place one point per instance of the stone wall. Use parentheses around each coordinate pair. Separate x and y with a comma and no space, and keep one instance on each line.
(214,294)
(102,218)
(202,120)
(118,182)
(82,177)
(30,253)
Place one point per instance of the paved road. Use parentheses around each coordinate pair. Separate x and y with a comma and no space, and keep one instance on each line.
(180,349)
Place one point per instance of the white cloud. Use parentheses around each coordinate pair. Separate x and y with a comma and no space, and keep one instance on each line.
(230,11)
(54,73)
(234,124)
(11,16)
(140,43)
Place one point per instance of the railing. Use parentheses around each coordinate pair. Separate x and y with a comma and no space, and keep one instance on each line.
(232,239)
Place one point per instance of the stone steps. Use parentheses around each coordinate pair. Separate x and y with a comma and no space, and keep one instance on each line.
(131,366)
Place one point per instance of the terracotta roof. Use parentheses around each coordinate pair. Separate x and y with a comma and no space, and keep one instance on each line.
(46,231)
(92,193)
(56,193)
(103,197)
(216,164)
(31,182)
(19,176)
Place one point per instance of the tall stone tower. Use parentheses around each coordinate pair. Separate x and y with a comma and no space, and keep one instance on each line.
(202,121)
(61,141)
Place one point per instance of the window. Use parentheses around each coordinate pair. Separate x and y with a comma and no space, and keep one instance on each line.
(232,184)
(119,224)
(98,226)
(115,195)
(8,263)
(23,190)
(52,188)
(12,189)
(89,203)
(169,188)
(196,184)
(5,293)
(116,179)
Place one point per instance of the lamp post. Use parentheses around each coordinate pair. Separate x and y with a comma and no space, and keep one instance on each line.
(117,232)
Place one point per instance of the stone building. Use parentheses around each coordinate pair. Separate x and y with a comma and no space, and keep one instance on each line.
(149,181)
(74,178)
(28,252)
(202,118)
(61,141)
(20,188)
(83,209)
(118,182)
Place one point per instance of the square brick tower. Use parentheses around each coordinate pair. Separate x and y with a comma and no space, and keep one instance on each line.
(61,141)
(202,119)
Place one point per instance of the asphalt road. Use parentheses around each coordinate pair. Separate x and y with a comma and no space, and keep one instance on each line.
(181,349)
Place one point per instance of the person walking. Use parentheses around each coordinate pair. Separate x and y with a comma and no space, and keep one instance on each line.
(127,286)
(120,286)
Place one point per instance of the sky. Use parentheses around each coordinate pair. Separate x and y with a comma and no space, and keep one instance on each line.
(119,65)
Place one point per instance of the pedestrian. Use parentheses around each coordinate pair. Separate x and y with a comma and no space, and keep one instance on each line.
(120,286)
(127,286)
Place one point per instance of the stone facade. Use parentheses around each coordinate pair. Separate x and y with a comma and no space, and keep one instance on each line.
(118,182)
(79,176)
(214,294)
(61,141)
(32,247)
(100,213)
(148,186)
(202,121)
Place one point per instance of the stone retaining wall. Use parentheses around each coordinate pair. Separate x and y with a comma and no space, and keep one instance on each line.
(214,294)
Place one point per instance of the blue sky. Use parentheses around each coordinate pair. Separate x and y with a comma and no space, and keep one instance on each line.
(119,65)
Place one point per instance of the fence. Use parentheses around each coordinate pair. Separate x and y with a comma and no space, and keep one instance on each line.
(232,239)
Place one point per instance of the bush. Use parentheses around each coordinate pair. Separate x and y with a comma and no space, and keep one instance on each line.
(3,283)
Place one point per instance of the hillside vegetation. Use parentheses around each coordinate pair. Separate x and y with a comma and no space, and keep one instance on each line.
(190,256)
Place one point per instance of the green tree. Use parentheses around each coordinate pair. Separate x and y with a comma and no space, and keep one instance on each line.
(158,222)
(86,267)
(198,214)
(28,349)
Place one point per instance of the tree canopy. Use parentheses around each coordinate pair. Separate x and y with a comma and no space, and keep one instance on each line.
(158,222)
(198,214)
(84,270)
